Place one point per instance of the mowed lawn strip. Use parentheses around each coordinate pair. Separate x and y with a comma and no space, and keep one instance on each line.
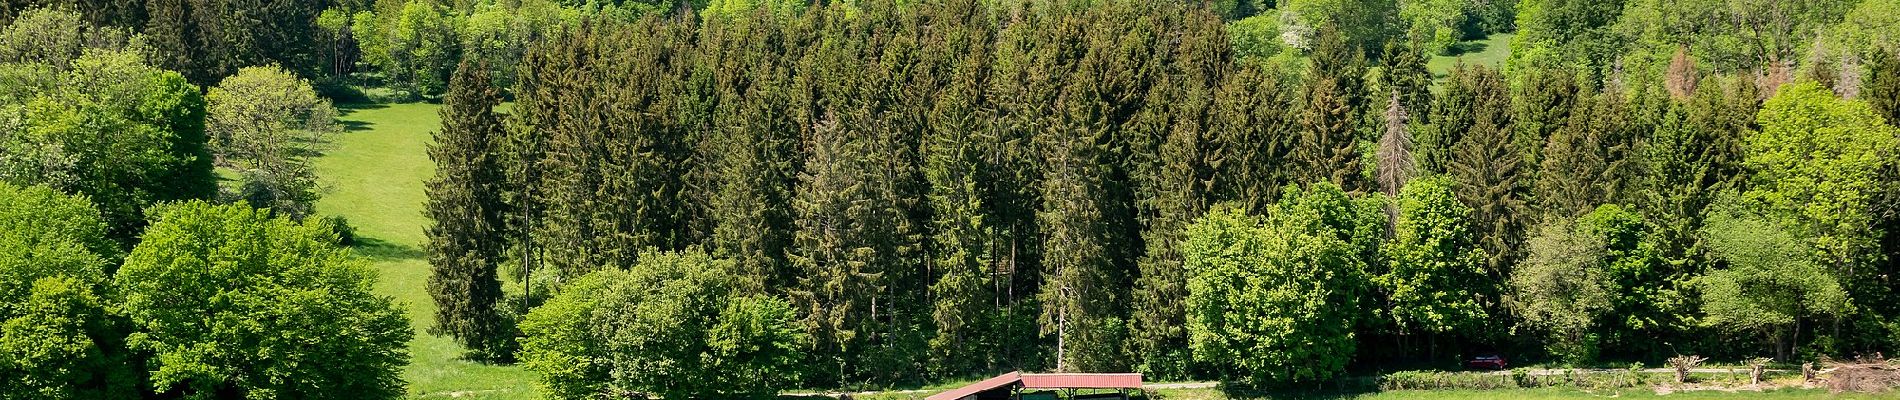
(374,176)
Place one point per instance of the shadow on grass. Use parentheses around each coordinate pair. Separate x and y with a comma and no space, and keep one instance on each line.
(384,250)
(1463,48)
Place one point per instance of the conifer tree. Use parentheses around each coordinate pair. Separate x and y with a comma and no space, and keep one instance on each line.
(1542,104)
(754,158)
(1254,127)
(1327,150)
(1405,71)
(1172,177)
(1883,84)
(466,241)
(1590,161)
(1396,164)
(964,239)
(1491,177)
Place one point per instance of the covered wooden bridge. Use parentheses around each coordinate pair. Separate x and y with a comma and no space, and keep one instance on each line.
(1021,386)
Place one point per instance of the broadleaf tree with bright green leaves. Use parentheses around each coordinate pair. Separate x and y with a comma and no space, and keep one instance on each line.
(226,299)
(1817,164)
(57,340)
(121,132)
(670,326)
(1434,278)
(266,123)
(1771,284)
(1580,278)
(1274,299)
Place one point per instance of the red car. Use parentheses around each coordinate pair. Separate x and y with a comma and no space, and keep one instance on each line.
(1487,361)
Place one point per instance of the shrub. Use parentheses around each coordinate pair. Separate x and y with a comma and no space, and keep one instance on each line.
(54,335)
(669,326)
(227,299)
(345,233)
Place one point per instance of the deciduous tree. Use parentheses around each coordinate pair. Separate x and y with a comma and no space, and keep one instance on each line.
(228,299)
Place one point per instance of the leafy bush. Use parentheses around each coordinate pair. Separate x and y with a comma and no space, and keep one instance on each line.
(227,299)
(55,342)
(669,326)
(345,233)
(1275,299)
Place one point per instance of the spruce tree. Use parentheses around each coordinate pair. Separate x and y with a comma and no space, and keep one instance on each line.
(1172,177)
(1883,84)
(1592,160)
(1491,176)
(964,238)
(466,240)
(1327,150)
(1542,104)
(1396,164)
(754,155)
(1254,127)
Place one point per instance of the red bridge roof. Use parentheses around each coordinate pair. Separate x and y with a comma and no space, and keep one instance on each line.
(1082,381)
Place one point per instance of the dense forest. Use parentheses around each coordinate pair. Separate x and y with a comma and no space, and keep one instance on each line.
(729,198)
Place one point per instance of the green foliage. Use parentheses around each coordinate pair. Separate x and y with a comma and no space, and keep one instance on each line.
(56,339)
(1883,84)
(207,40)
(1434,279)
(124,134)
(1493,178)
(607,189)
(1256,38)
(55,37)
(1579,274)
(416,45)
(1327,150)
(668,326)
(1436,23)
(1771,283)
(1274,299)
(226,299)
(469,235)
(1816,164)
(1553,33)
(266,123)
(1592,159)
(1361,24)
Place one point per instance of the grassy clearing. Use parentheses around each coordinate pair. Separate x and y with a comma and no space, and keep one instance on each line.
(1489,52)
(374,176)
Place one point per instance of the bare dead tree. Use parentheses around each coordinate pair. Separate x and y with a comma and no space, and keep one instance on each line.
(1395,156)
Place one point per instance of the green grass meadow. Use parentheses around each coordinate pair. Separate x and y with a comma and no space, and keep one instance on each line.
(374,176)
(1489,52)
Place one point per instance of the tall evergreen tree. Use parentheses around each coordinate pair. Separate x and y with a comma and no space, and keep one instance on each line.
(964,239)
(1592,160)
(1254,126)
(754,155)
(1450,119)
(1327,150)
(1491,176)
(1883,84)
(1542,103)
(615,162)
(466,241)
(1173,184)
